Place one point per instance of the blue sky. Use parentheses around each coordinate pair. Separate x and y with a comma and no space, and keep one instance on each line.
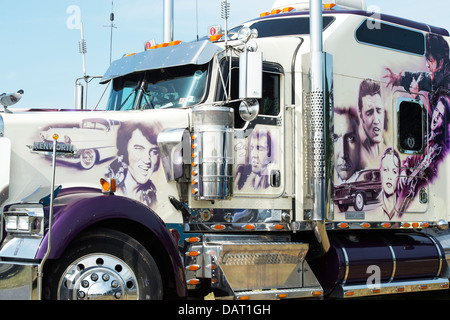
(39,46)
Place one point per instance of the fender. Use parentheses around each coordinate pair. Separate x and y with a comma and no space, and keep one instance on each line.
(79,208)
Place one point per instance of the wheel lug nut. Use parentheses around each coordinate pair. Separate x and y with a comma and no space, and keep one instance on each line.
(105,277)
(81,294)
(114,284)
(85,283)
(117,295)
(94,277)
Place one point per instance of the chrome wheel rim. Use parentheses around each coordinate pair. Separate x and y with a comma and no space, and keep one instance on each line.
(98,277)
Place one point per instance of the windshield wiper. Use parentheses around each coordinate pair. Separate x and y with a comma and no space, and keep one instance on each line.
(145,94)
(125,101)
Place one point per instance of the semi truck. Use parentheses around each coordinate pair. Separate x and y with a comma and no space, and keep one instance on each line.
(301,154)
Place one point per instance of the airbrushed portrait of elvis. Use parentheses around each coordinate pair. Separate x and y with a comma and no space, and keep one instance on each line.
(253,174)
(436,81)
(138,158)
(373,119)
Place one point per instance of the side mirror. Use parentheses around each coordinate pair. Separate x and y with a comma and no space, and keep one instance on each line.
(250,66)
(250,75)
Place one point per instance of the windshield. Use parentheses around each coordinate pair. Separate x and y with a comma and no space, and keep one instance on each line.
(164,88)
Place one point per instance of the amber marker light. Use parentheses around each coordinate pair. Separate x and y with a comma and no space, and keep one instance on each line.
(343,225)
(193,239)
(192,253)
(215,37)
(108,186)
(193,267)
(193,281)
(329,6)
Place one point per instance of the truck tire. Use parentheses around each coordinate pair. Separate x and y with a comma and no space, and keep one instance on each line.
(103,264)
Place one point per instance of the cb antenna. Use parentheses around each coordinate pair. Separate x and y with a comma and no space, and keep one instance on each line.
(112,26)
(225,16)
(83,49)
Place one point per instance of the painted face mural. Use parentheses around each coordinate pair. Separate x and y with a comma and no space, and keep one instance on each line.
(405,175)
(346,143)
(138,159)
(143,157)
(254,173)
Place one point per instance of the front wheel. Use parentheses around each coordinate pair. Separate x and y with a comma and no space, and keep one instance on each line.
(104,265)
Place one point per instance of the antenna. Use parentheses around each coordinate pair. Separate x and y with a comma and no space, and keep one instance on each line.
(112,26)
(225,16)
(83,49)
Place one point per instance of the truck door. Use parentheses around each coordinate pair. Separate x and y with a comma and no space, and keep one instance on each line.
(259,147)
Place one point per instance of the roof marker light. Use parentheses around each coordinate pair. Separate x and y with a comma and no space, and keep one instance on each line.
(215,37)
(275,11)
(288,9)
(329,6)
(264,14)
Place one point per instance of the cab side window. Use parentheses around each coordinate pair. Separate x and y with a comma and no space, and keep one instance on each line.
(410,130)
(269,104)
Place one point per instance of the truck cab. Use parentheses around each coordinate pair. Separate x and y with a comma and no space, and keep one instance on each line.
(224,165)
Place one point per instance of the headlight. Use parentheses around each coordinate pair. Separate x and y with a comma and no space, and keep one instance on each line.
(24,219)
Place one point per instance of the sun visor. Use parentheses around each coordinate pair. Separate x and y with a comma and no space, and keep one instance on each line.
(199,53)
